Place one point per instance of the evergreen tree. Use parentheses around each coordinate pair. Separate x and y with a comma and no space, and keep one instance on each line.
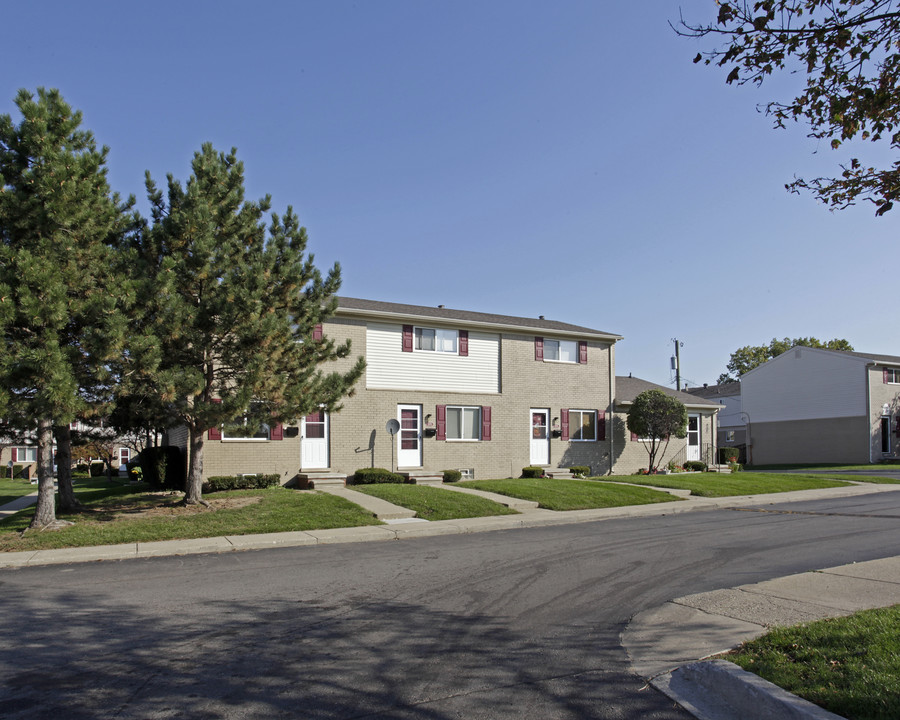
(233,305)
(59,296)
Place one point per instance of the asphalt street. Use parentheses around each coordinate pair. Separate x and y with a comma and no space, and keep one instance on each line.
(521,623)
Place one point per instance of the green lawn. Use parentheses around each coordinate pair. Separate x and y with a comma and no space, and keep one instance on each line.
(571,494)
(850,665)
(823,466)
(434,503)
(725,484)
(13,489)
(129,514)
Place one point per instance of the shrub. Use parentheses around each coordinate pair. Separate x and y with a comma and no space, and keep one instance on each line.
(532,472)
(580,470)
(728,455)
(452,476)
(163,467)
(219,483)
(135,474)
(372,476)
(735,467)
(695,466)
(83,469)
(19,471)
(98,469)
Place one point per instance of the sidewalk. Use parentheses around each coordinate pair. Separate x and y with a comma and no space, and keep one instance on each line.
(665,643)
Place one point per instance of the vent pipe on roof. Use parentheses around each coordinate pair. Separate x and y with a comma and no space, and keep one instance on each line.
(441,307)
(540,317)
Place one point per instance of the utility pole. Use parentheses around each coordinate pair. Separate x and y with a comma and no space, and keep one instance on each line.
(676,363)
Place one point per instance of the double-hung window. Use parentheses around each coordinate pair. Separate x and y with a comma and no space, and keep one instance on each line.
(247,427)
(463,423)
(561,350)
(582,425)
(436,340)
(26,454)
(892,376)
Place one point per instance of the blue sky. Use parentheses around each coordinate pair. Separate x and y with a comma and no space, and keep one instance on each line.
(529,158)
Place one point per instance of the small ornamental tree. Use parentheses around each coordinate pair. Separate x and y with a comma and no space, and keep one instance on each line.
(657,417)
(234,307)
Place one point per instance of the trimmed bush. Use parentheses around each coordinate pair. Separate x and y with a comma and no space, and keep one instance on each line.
(163,467)
(452,476)
(83,468)
(219,483)
(372,476)
(728,455)
(735,467)
(580,470)
(98,469)
(695,466)
(532,472)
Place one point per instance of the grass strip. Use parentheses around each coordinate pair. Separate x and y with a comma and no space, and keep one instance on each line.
(434,503)
(849,665)
(124,514)
(13,489)
(561,494)
(727,484)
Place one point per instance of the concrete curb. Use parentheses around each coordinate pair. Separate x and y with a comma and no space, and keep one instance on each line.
(714,622)
(718,689)
(528,518)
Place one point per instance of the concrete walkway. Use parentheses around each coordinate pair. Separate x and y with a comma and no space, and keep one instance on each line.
(664,644)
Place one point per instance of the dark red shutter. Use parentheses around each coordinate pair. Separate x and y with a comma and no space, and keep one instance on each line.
(884,376)
(317,332)
(277,432)
(440,413)
(464,343)
(485,422)
(601,425)
(539,348)
(14,454)
(582,352)
(634,437)
(215,433)
(898,427)
(407,338)
(564,424)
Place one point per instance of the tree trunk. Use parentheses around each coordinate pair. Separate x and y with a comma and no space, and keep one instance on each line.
(45,511)
(194,485)
(67,499)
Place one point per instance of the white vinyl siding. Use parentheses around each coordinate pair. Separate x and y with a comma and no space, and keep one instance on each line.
(805,384)
(389,368)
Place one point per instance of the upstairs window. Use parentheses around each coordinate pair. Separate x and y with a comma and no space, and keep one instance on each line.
(561,350)
(437,340)
(566,351)
(892,376)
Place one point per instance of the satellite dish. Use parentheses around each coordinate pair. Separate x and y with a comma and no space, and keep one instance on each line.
(393,426)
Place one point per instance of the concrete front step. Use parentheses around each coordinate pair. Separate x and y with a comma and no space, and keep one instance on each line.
(562,473)
(381,509)
(322,479)
(422,478)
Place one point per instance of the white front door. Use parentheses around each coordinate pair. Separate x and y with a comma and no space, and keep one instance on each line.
(693,438)
(540,437)
(409,439)
(314,441)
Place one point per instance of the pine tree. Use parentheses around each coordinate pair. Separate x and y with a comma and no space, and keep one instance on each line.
(233,305)
(60,311)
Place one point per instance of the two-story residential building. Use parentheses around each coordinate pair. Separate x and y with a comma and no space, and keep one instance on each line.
(481,393)
(815,405)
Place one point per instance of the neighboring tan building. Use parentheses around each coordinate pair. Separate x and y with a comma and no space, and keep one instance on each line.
(481,393)
(813,405)
(700,443)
